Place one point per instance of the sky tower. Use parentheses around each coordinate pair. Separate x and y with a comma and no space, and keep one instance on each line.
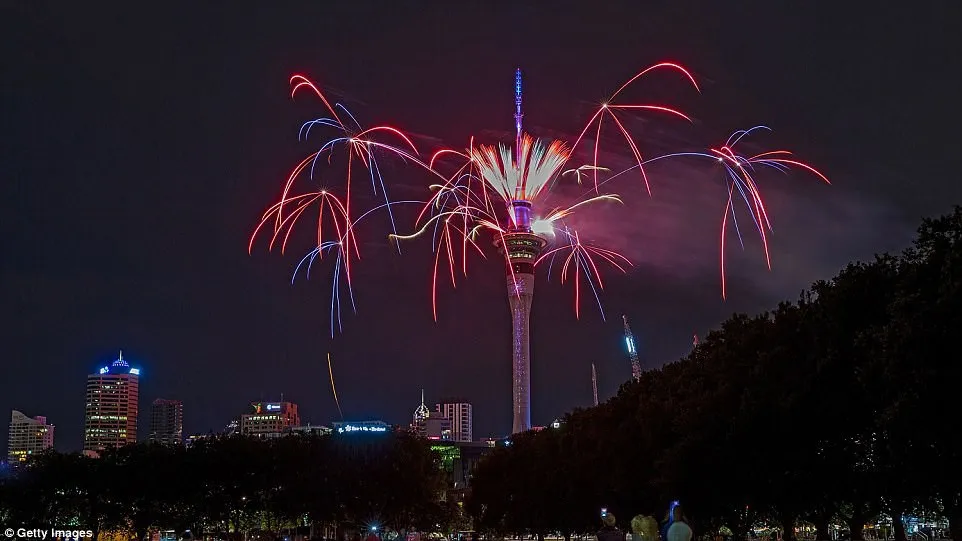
(523,248)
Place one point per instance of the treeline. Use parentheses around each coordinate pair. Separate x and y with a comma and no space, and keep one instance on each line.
(237,486)
(836,408)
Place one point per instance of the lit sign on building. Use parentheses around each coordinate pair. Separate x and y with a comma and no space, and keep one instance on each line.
(273,407)
(107,370)
(363,428)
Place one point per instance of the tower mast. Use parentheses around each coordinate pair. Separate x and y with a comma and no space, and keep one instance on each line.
(632,351)
(517,117)
(594,383)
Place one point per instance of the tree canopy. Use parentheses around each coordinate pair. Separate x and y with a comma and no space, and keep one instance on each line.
(226,486)
(835,407)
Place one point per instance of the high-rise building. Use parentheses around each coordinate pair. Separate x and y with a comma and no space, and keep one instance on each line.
(113,394)
(420,417)
(310,430)
(269,419)
(438,427)
(166,422)
(27,436)
(461,416)
(431,425)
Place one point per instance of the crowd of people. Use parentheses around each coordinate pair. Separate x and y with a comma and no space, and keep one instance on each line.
(646,528)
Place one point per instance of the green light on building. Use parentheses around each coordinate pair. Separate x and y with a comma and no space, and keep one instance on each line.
(448,454)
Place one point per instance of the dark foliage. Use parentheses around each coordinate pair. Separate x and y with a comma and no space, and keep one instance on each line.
(837,407)
(235,485)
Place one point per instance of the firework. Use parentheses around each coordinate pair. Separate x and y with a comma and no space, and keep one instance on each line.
(495,190)
(740,183)
(609,108)
(358,149)
(493,181)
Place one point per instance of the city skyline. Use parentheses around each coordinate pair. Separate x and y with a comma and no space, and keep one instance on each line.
(162,420)
(137,172)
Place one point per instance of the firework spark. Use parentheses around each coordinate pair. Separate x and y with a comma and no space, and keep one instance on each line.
(490,178)
(741,174)
(610,107)
(358,149)
(497,190)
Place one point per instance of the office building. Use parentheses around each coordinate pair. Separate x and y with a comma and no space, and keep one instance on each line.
(437,427)
(113,394)
(461,416)
(310,430)
(357,427)
(232,428)
(419,418)
(194,439)
(431,425)
(27,436)
(166,422)
(269,419)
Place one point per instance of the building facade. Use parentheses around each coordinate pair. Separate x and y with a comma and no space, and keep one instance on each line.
(461,415)
(438,428)
(432,425)
(420,417)
(113,395)
(269,419)
(27,436)
(310,430)
(358,427)
(166,422)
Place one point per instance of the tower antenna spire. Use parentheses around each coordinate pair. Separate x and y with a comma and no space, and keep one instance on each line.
(632,351)
(517,115)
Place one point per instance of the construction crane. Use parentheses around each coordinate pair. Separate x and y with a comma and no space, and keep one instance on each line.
(632,351)
(594,383)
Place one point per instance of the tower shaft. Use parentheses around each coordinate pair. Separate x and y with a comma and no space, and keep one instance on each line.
(520,295)
(521,248)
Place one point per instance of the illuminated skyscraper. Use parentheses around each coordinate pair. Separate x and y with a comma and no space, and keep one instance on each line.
(420,418)
(166,422)
(461,416)
(27,436)
(270,419)
(111,410)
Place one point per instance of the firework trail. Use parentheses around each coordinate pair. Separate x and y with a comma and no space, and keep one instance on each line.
(330,370)
(740,183)
(358,149)
(496,190)
(490,178)
(610,107)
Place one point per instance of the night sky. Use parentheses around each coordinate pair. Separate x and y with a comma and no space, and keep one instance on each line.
(140,146)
